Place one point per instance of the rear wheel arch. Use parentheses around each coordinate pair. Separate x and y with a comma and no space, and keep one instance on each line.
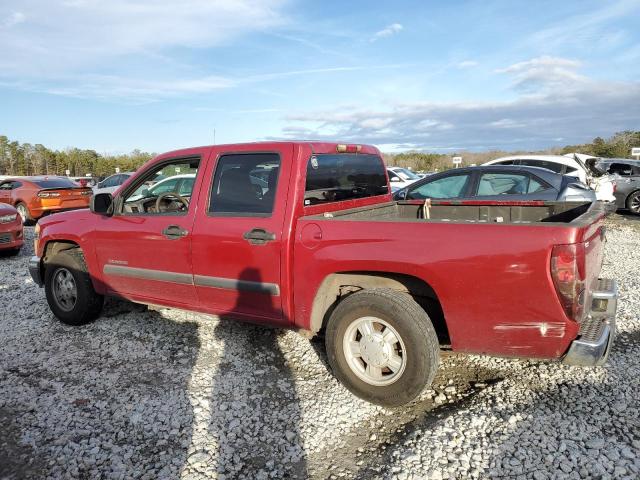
(337,286)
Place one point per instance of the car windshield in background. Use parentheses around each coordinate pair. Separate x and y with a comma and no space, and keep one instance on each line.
(339,177)
(406,174)
(56,183)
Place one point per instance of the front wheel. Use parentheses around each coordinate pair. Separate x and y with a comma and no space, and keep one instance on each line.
(382,346)
(23,211)
(69,290)
(633,202)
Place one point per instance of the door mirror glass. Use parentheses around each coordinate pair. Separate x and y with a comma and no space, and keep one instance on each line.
(102,204)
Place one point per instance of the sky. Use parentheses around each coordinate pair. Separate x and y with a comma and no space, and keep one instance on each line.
(405,75)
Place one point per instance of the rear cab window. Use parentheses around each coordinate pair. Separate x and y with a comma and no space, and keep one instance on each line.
(340,177)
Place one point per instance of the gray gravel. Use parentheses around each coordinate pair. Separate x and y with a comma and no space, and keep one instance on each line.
(145,393)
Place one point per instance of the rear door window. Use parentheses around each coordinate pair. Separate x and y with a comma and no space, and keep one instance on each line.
(453,186)
(245,184)
(339,177)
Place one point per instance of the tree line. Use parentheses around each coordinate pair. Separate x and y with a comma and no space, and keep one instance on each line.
(617,146)
(27,159)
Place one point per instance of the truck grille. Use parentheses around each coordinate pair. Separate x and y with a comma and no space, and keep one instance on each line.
(591,329)
(5,237)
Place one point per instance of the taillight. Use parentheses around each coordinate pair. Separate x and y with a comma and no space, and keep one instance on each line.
(36,238)
(568,272)
(48,194)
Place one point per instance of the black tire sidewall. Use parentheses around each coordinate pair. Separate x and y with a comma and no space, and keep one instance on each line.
(413,326)
(629,199)
(87,302)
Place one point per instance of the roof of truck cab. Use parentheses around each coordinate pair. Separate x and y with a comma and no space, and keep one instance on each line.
(316,146)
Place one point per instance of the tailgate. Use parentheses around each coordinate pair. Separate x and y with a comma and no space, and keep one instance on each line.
(594,240)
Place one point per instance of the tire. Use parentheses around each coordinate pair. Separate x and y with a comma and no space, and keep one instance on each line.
(416,345)
(633,202)
(64,274)
(23,210)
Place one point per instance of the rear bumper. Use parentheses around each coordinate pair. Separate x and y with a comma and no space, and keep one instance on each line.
(35,271)
(598,329)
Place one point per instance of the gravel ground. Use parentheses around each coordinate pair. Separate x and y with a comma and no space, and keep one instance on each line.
(161,393)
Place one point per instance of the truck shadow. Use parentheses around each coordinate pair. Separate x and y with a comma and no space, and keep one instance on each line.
(110,398)
(255,417)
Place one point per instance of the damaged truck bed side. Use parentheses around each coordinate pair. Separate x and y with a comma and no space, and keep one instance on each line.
(304,235)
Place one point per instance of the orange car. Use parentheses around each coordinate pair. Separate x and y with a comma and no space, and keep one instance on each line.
(34,197)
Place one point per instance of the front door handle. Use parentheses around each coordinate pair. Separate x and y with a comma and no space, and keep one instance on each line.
(259,236)
(173,232)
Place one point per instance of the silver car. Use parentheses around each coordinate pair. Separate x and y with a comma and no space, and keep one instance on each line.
(499,182)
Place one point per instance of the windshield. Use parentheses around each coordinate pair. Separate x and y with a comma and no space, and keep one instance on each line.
(338,177)
(56,183)
(406,174)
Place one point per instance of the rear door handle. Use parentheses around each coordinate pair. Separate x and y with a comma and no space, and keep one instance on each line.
(259,236)
(173,232)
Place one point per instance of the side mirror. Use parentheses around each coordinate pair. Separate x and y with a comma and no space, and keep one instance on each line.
(395,180)
(102,204)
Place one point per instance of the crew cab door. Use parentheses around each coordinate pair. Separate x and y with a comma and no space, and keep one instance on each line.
(144,249)
(237,241)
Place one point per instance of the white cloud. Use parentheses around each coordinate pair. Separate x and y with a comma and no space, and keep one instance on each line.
(467,64)
(68,35)
(13,19)
(387,31)
(544,72)
(576,109)
(133,90)
(592,28)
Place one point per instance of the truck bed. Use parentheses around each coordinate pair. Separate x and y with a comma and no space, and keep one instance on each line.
(472,212)
(488,263)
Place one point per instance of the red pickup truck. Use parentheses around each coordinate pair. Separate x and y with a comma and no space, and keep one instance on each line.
(305,235)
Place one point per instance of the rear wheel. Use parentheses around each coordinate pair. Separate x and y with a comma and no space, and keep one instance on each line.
(633,202)
(382,346)
(69,290)
(24,212)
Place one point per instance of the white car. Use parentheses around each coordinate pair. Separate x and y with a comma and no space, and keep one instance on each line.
(401,177)
(572,165)
(111,183)
(181,184)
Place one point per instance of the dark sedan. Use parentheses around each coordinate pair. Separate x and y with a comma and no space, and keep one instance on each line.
(498,182)
(627,181)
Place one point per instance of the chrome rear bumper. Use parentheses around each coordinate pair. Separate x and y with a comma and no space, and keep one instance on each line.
(34,270)
(598,329)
